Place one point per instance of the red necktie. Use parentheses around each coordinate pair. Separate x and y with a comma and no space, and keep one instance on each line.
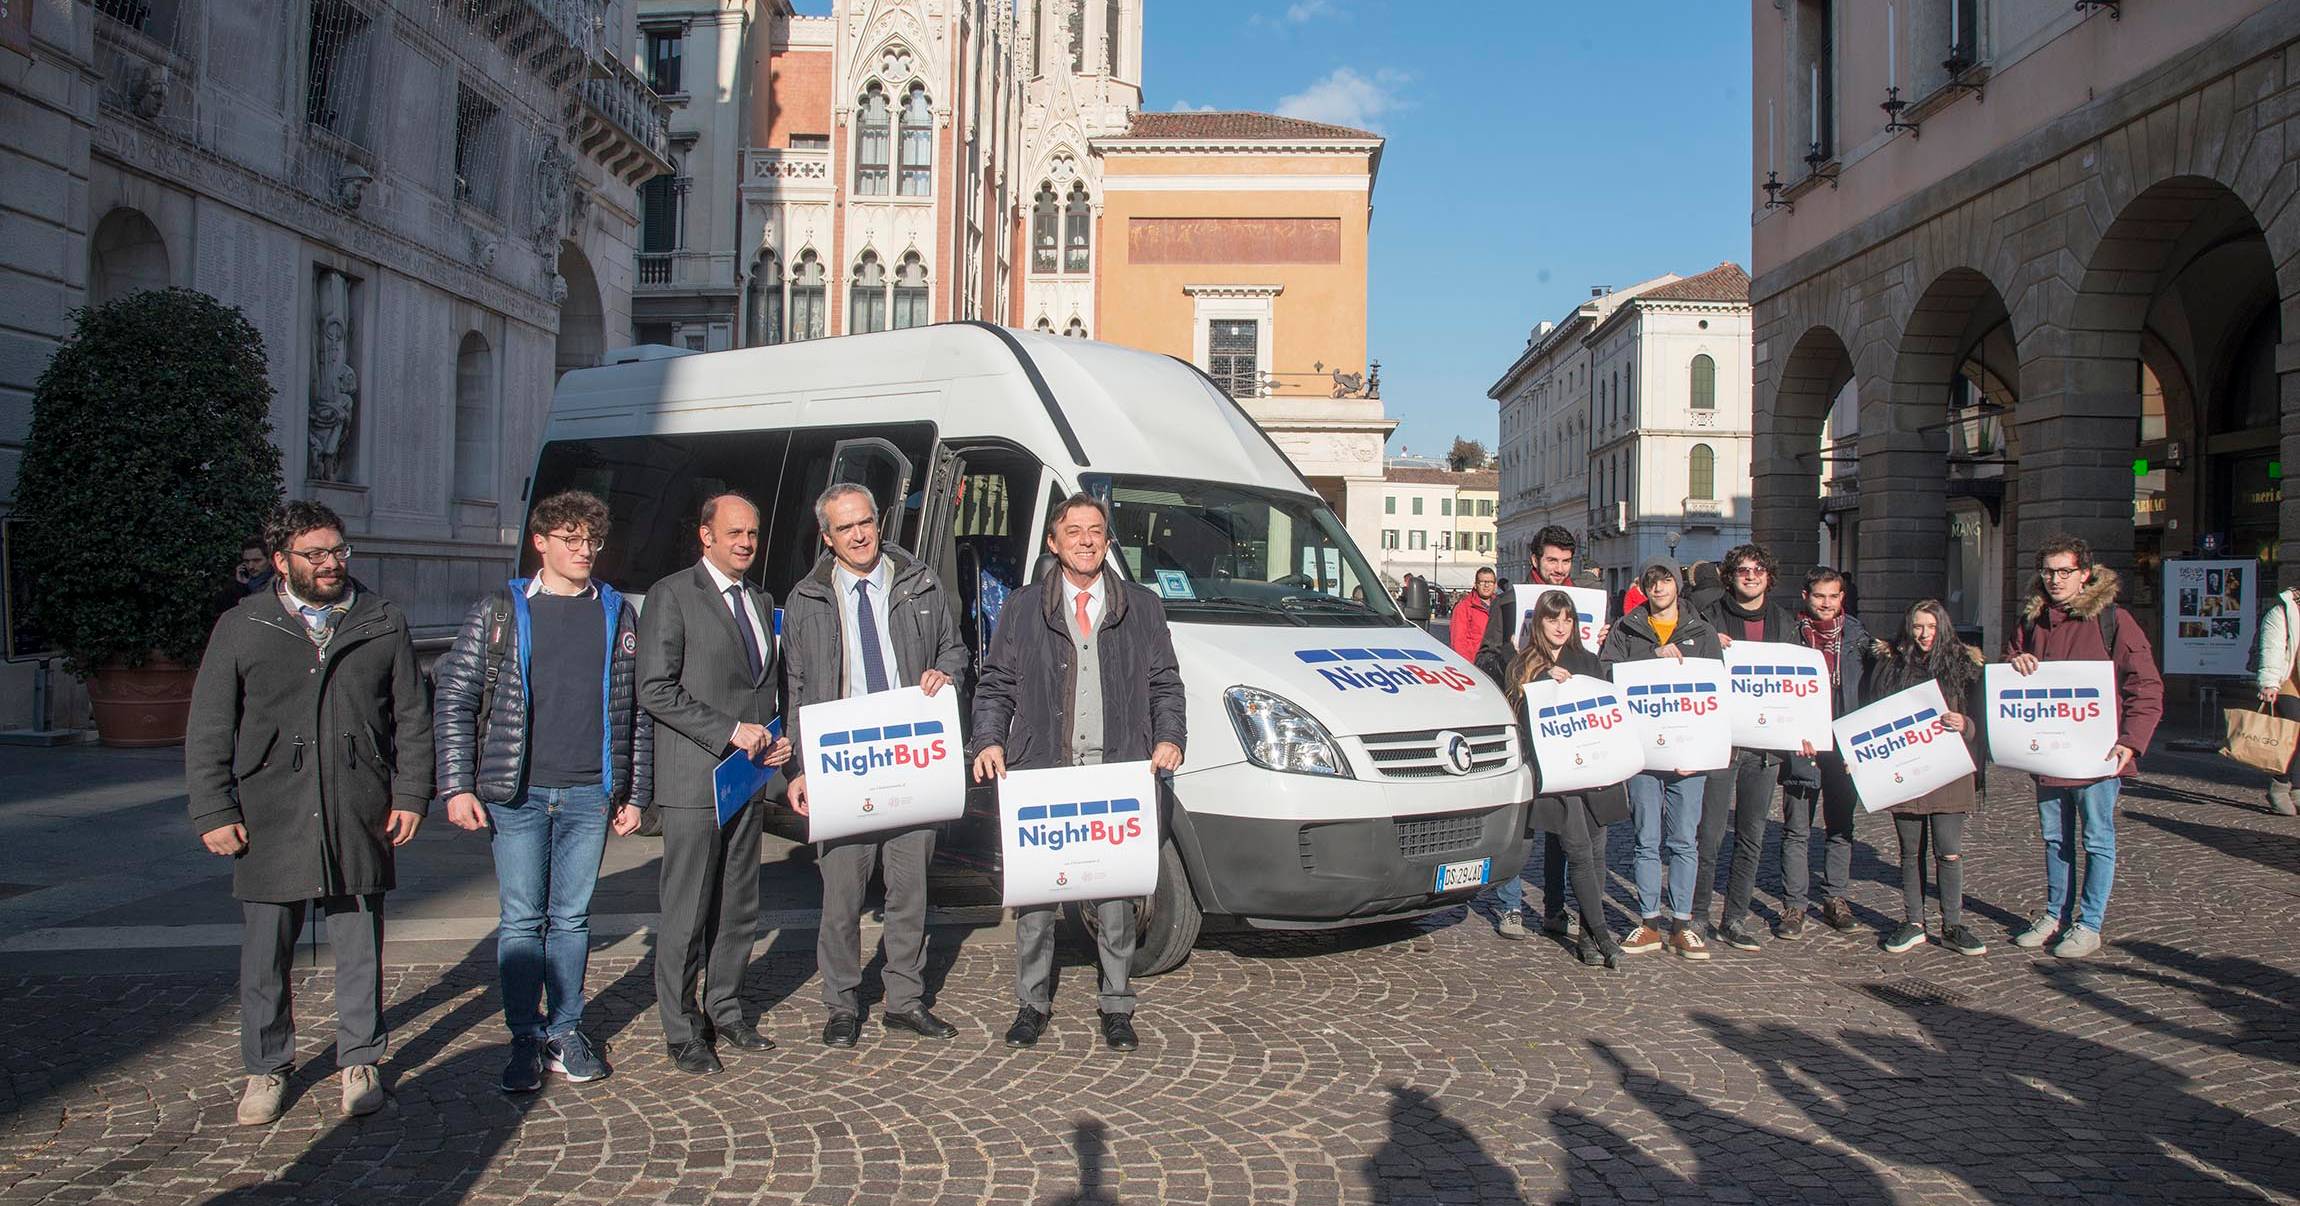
(1085,626)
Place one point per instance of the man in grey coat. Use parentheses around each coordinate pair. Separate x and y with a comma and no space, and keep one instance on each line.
(707,676)
(1083,672)
(869,618)
(307,762)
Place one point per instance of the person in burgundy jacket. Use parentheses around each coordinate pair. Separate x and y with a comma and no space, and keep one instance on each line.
(2072,616)
(1472,614)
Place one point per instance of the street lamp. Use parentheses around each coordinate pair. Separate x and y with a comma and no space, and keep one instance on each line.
(1672,536)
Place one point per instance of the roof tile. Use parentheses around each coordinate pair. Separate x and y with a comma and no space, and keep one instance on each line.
(1151,124)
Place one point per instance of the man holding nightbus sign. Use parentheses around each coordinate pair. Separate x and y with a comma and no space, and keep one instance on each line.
(1081,674)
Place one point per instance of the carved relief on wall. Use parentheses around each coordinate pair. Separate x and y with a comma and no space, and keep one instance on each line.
(334,384)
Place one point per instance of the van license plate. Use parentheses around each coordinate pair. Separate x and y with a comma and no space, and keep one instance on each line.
(1463,875)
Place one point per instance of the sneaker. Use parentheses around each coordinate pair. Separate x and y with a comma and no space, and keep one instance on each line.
(1791,927)
(2077,943)
(1512,927)
(2038,932)
(574,1056)
(1558,925)
(1644,940)
(1963,941)
(1838,914)
(1904,938)
(1688,943)
(2280,799)
(262,1099)
(362,1090)
(1739,936)
(524,1072)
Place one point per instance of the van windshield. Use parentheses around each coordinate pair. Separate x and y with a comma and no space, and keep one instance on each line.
(1219,553)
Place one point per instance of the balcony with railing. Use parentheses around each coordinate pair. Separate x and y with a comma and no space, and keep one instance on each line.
(622,123)
(772,173)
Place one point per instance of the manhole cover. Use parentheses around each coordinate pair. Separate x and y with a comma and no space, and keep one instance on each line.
(1908,992)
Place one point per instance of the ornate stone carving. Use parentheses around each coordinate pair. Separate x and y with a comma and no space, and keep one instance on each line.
(150,93)
(334,383)
(351,186)
(482,250)
(552,175)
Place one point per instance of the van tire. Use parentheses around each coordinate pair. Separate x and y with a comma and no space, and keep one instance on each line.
(1167,921)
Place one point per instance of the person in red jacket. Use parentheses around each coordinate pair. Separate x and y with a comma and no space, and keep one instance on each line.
(1471,615)
(2072,616)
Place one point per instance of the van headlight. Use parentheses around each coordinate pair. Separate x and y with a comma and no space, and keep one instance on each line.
(1282,737)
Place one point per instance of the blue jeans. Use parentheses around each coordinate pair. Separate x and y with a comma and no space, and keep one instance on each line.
(1666,810)
(2058,812)
(548,843)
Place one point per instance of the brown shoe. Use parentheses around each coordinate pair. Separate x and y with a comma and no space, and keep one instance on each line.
(262,1099)
(1688,944)
(1791,927)
(362,1090)
(1838,913)
(1644,940)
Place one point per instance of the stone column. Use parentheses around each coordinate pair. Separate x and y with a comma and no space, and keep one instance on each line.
(1785,471)
(2288,512)
(1904,535)
(2079,415)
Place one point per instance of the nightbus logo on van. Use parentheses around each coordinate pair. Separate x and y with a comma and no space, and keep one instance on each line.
(1384,670)
(1054,826)
(1918,728)
(1566,719)
(861,751)
(1759,682)
(1668,699)
(2048,703)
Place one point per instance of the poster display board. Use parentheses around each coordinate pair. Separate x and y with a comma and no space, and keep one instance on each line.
(2211,616)
(891,760)
(1584,736)
(1682,706)
(1079,833)
(1778,696)
(2059,721)
(1899,747)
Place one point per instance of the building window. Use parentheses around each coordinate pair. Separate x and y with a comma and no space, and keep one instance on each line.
(1045,325)
(336,79)
(1076,18)
(809,142)
(1445,506)
(1417,538)
(1075,330)
(1045,214)
(1077,231)
(766,301)
(873,130)
(1389,504)
(1233,347)
(917,164)
(1485,542)
(474,420)
(478,148)
(1417,504)
(663,52)
(1389,538)
(1704,383)
(659,203)
(1816,86)
(809,297)
(866,310)
(910,292)
(1701,472)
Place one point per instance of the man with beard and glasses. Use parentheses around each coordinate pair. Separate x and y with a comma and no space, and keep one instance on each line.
(1845,644)
(308,762)
(1743,791)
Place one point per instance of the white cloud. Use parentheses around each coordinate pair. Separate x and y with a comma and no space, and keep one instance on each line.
(1183,106)
(1346,98)
(1299,12)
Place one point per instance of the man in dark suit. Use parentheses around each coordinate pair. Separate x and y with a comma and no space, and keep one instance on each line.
(707,676)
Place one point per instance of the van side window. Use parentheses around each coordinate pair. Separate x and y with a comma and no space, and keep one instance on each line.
(654,487)
(793,538)
(992,538)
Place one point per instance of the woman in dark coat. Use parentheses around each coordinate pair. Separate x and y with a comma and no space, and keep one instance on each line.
(1929,651)
(1554,650)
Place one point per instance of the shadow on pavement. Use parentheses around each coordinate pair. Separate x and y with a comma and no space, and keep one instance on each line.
(1429,1157)
(2277,851)
(2254,1003)
(1090,1138)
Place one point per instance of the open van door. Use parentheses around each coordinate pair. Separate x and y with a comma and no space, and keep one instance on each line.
(881,468)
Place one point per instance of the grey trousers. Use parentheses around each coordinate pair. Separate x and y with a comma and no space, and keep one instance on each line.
(1840,805)
(710,919)
(846,868)
(267,1008)
(1034,933)
(1741,792)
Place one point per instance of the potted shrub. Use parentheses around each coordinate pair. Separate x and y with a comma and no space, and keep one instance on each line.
(148,463)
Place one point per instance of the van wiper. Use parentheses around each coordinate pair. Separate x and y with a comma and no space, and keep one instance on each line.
(1252,605)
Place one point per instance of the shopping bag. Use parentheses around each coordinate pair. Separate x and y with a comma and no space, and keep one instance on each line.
(2261,739)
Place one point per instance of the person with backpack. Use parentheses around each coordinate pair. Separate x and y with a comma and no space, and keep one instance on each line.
(1929,651)
(1575,820)
(2278,679)
(2072,615)
(540,743)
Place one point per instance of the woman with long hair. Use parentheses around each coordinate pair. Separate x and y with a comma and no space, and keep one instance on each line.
(1929,651)
(1553,650)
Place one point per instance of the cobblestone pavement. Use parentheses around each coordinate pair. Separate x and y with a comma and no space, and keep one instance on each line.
(1427,1063)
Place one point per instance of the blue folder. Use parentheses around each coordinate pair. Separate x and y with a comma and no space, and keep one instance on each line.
(738,778)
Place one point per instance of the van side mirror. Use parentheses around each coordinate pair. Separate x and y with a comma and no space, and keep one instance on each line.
(1416,601)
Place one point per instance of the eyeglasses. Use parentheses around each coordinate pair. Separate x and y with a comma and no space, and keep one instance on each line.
(573,541)
(319,557)
(1749,571)
(2057,574)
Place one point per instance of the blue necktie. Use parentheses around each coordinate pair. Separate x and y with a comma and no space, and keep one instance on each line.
(751,654)
(866,632)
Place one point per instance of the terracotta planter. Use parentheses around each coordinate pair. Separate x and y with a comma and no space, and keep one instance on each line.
(144,706)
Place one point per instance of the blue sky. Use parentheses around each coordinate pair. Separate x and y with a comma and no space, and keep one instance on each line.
(1535,148)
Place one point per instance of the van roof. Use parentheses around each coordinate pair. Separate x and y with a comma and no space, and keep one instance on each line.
(1097,406)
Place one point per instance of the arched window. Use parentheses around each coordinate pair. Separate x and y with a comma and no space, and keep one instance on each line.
(1077,31)
(1076,329)
(1701,472)
(910,292)
(1704,383)
(475,419)
(1077,231)
(872,131)
(1045,325)
(916,168)
(766,300)
(810,308)
(1044,216)
(867,310)
(125,255)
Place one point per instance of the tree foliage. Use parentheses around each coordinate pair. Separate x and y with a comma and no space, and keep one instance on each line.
(149,461)
(1468,454)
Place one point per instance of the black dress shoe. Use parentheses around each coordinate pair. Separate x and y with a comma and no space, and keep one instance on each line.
(746,1036)
(1118,1031)
(841,1030)
(919,1022)
(695,1057)
(1028,1025)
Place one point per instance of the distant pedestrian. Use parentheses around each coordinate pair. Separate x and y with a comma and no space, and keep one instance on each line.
(1665,806)
(1929,651)
(1472,614)
(308,762)
(2278,680)
(2072,615)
